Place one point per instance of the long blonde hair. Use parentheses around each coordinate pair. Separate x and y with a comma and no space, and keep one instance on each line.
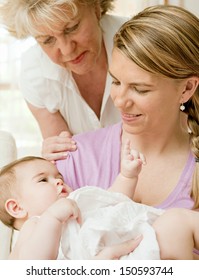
(165,40)
(20,17)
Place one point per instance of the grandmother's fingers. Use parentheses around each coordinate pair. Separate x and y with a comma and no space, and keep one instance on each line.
(126,248)
(55,156)
(56,147)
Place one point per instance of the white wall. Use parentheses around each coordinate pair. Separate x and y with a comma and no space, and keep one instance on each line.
(192,5)
(131,7)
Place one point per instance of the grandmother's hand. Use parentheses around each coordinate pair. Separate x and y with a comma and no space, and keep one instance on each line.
(115,252)
(56,147)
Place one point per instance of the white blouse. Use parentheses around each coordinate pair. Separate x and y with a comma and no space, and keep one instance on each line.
(45,84)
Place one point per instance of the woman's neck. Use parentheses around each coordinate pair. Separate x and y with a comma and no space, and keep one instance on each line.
(160,142)
(91,85)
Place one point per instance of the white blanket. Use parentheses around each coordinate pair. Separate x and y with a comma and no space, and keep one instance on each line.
(108,218)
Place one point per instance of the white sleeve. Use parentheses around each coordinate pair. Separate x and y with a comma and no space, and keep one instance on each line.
(36,88)
(31,81)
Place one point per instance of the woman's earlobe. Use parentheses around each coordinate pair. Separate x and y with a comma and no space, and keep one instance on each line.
(14,209)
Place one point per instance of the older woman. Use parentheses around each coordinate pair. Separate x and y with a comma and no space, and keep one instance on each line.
(155,78)
(64,76)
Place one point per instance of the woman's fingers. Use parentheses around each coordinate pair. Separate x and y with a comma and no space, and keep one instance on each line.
(115,252)
(56,147)
(126,247)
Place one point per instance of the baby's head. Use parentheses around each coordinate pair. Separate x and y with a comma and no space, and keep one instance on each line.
(28,186)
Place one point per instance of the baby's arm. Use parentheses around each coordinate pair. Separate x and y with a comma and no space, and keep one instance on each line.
(131,165)
(40,237)
(177,232)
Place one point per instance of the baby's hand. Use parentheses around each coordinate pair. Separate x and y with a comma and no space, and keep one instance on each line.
(132,161)
(64,209)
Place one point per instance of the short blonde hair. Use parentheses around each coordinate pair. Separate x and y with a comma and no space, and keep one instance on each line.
(8,186)
(20,17)
(164,40)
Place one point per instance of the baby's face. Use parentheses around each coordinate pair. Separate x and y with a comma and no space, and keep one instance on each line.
(40,184)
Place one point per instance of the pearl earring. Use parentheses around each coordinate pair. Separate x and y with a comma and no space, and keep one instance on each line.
(182,107)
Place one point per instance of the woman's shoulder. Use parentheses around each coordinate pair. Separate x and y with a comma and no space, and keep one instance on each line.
(100,134)
(35,60)
(31,53)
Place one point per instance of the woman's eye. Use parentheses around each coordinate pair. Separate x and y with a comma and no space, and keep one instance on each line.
(71,29)
(49,41)
(114,82)
(141,91)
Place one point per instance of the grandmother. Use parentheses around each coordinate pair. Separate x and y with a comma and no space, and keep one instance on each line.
(64,77)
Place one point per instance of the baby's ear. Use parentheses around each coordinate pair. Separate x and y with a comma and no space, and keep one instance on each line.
(14,209)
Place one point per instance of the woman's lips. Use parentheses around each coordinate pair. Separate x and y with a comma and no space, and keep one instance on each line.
(78,59)
(130,117)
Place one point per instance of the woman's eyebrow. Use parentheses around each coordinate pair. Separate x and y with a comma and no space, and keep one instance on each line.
(132,84)
(41,37)
(51,35)
(111,74)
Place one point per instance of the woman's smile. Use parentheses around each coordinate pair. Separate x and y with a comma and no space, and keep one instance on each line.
(78,59)
(130,117)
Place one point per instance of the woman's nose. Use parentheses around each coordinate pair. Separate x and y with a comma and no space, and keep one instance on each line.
(121,100)
(66,46)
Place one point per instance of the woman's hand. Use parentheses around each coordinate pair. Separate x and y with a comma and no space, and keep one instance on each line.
(115,252)
(56,147)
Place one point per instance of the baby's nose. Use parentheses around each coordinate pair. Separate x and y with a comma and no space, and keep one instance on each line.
(59,182)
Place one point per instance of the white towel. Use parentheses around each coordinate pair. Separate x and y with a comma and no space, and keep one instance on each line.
(108,218)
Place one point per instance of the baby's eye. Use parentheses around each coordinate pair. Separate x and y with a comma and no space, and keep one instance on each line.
(43,180)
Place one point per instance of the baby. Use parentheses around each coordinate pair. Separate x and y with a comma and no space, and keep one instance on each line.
(90,221)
